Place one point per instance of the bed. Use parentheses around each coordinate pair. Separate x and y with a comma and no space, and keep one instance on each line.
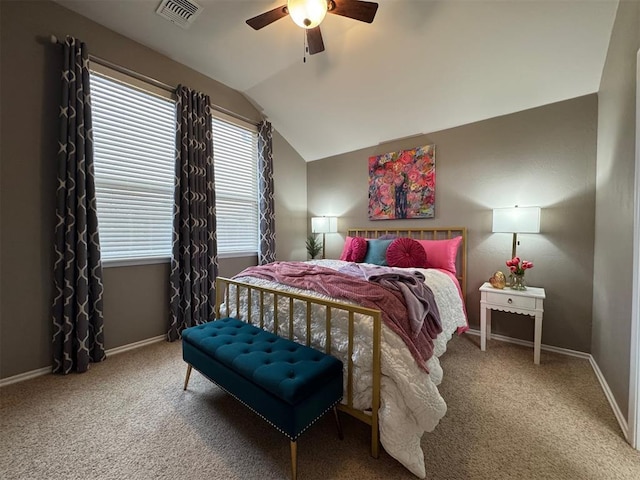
(385,386)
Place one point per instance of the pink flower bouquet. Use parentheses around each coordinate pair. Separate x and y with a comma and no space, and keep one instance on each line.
(516,267)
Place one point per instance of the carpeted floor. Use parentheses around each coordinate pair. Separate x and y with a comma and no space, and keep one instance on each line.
(128,418)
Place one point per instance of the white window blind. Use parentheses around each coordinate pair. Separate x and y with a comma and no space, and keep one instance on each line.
(235,156)
(134,155)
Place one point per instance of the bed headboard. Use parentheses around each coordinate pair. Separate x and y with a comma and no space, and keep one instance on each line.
(437,233)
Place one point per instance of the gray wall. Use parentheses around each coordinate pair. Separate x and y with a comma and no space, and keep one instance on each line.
(544,156)
(290,179)
(136,298)
(614,204)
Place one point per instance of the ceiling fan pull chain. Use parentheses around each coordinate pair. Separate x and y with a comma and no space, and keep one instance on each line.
(305,48)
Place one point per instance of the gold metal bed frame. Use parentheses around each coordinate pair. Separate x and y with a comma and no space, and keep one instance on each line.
(232,303)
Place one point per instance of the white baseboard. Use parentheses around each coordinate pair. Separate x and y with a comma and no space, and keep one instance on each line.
(572,353)
(527,343)
(21,377)
(612,401)
(134,345)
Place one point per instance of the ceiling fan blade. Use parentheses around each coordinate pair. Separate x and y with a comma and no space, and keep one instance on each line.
(314,40)
(267,18)
(363,11)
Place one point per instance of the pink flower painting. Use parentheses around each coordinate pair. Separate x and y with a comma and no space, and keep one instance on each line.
(403,184)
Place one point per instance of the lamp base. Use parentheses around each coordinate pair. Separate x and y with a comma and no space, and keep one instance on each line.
(323,245)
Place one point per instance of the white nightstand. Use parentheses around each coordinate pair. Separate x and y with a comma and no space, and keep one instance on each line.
(524,302)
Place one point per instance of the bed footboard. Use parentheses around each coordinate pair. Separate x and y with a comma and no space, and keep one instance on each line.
(314,322)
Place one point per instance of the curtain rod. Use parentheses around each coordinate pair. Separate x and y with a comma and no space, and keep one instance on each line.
(153,81)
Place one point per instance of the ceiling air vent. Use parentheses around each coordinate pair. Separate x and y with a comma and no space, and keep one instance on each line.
(180,12)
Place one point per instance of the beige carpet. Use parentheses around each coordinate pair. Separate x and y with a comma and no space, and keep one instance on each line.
(128,418)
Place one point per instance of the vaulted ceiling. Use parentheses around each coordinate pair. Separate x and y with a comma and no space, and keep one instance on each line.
(421,66)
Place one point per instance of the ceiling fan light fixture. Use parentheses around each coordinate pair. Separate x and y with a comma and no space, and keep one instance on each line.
(307,13)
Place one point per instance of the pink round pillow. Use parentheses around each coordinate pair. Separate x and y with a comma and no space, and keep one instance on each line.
(406,253)
(358,250)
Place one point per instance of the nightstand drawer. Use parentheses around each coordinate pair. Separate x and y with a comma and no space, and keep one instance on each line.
(511,300)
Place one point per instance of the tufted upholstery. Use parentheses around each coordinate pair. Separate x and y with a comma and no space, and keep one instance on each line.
(288,384)
(286,369)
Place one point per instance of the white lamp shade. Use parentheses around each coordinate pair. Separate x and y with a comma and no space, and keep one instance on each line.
(324,224)
(307,13)
(516,220)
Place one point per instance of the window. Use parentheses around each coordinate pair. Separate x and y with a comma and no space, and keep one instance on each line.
(134,158)
(134,151)
(235,156)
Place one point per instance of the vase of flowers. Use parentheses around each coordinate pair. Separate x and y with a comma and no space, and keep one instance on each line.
(517,269)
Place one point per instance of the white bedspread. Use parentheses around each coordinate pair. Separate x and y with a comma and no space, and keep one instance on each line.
(410,401)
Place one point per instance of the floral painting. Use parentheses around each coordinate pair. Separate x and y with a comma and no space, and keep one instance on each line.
(403,184)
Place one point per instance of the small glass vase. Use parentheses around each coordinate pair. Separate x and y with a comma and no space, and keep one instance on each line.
(517,282)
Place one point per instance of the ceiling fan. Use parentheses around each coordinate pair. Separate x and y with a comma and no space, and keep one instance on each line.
(308,14)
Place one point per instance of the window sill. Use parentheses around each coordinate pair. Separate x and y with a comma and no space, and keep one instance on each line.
(130,262)
(237,254)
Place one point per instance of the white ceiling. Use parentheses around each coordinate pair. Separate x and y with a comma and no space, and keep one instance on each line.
(421,66)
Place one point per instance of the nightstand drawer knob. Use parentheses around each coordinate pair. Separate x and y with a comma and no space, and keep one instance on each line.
(501,297)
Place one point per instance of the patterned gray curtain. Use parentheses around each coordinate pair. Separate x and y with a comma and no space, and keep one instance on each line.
(194,260)
(267,251)
(77,307)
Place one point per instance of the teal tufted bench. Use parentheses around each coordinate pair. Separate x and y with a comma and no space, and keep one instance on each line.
(287,384)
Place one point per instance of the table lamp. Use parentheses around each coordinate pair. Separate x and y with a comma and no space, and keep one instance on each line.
(516,220)
(324,225)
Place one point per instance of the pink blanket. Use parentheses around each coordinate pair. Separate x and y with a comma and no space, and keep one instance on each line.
(342,286)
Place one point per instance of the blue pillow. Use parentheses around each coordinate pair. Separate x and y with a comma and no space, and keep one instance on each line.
(377,252)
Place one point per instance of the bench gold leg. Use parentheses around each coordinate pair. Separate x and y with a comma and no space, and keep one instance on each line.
(294,460)
(335,414)
(186,380)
